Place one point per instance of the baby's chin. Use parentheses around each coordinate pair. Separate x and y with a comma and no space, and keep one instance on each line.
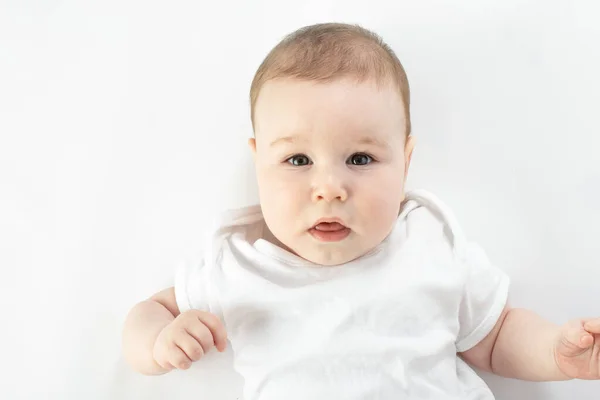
(322,254)
(324,257)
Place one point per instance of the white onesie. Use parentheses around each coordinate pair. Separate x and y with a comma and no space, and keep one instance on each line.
(385,326)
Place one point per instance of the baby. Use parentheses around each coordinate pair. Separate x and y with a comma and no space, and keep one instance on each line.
(341,285)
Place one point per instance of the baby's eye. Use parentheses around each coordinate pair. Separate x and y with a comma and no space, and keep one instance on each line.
(299,160)
(359,159)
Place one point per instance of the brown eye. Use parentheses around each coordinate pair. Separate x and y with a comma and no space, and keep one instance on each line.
(299,160)
(359,159)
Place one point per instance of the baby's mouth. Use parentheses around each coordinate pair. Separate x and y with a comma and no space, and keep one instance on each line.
(329,231)
(329,226)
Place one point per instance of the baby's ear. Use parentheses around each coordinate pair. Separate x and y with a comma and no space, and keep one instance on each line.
(408,151)
(409,146)
(252,145)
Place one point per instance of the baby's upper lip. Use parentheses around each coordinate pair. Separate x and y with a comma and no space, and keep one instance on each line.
(329,220)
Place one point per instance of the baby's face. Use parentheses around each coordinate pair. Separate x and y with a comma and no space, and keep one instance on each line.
(333,152)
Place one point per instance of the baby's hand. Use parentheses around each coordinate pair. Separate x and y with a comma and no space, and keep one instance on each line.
(187,338)
(578,350)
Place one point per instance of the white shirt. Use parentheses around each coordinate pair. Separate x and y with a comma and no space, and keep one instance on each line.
(385,326)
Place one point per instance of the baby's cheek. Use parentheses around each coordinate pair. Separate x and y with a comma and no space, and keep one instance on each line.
(281,206)
(288,186)
(276,186)
(380,198)
(380,210)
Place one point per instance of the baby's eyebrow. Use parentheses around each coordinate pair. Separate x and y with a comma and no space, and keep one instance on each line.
(284,140)
(372,141)
(364,140)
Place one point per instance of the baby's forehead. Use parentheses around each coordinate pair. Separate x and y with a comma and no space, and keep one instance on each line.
(337,109)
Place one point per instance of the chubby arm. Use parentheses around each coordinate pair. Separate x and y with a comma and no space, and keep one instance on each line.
(142,326)
(158,337)
(521,345)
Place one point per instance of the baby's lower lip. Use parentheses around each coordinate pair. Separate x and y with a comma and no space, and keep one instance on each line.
(329,232)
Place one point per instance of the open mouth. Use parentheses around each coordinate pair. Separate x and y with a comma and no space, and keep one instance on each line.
(329,231)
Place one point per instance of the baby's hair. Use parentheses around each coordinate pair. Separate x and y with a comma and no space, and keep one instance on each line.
(325,52)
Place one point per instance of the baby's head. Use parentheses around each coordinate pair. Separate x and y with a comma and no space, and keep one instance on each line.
(330,111)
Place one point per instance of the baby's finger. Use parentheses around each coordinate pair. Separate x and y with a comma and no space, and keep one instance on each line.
(191,347)
(216,328)
(164,364)
(592,325)
(200,333)
(577,337)
(161,356)
(178,358)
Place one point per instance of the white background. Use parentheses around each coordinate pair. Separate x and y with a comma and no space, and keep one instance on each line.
(123,127)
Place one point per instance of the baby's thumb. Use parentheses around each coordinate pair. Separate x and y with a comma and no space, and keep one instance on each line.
(575,340)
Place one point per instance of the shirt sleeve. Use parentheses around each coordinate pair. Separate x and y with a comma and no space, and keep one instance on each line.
(191,285)
(485,295)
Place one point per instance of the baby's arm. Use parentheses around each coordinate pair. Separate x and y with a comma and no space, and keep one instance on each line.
(521,346)
(143,324)
(157,337)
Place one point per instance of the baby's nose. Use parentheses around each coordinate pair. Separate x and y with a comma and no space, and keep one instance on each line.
(330,188)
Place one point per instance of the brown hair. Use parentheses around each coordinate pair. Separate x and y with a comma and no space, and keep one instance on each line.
(324,52)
